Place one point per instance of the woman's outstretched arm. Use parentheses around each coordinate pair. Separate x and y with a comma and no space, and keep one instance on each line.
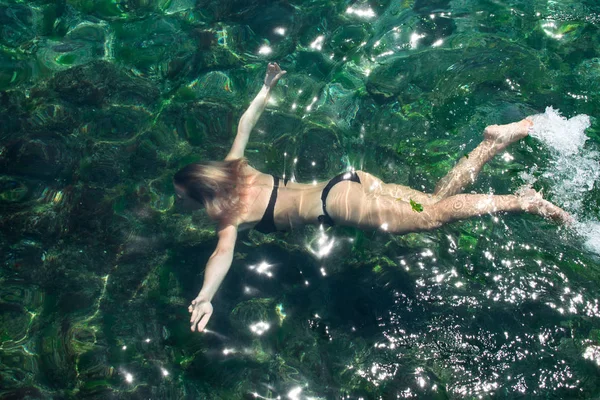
(253,112)
(217,267)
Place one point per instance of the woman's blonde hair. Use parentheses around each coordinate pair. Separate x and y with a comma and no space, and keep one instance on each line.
(218,183)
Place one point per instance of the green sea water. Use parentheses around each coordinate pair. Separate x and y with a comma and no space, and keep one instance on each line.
(101,101)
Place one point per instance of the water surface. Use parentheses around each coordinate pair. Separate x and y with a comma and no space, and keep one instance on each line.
(102,101)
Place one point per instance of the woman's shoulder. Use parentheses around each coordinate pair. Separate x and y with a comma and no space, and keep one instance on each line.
(249,170)
(255,176)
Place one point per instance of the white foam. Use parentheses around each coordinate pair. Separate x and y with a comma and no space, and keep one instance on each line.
(572,169)
(591,232)
(566,136)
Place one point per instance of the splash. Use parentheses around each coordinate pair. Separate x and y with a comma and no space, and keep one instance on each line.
(572,169)
(565,136)
(590,230)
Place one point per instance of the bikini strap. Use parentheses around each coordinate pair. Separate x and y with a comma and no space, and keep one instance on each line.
(273,199)
(267,223)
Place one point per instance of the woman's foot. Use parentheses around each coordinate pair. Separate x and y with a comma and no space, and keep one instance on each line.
(503,135)
(533,202)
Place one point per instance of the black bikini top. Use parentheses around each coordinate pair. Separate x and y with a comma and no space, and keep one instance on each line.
(267,223)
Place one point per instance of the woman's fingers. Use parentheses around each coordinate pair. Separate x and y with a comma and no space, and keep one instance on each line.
(194,325)
(195,322)
(201,312)
(274,72)
(276,78)
(195,317)
(204,321)
(274,69)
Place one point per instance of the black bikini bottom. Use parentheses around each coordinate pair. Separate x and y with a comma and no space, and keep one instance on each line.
(346,176)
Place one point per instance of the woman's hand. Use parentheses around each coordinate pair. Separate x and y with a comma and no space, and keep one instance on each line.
(274,72)
(201,311)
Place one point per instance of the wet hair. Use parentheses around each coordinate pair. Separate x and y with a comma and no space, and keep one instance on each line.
(218,183)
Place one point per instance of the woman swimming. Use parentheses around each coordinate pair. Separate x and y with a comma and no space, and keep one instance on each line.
(240,197)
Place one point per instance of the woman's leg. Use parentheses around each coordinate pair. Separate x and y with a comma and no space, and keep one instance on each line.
(496,139)
(395,216)
(462,206)
(375,187)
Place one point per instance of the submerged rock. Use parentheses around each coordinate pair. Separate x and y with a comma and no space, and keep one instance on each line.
(454,72)
(146,159)
(106,165)
(587,75)
(315,161)
(202,123)
(118,123)
(214,86)
(16,25)
(15,70)
(52,117)
(84,43)
(12,105)
(56,357)
(254,316)
(99,83)
(340,105)
(267,32)
(13,190)
(115,10)
(37,157)
(155,48)
(348,38)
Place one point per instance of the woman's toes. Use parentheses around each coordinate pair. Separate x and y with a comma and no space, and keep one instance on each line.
(525,126)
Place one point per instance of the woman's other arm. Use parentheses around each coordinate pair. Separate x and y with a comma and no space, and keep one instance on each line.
(253,113)
(217,267)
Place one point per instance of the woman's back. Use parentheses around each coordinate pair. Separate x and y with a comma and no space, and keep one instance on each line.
(294,203)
